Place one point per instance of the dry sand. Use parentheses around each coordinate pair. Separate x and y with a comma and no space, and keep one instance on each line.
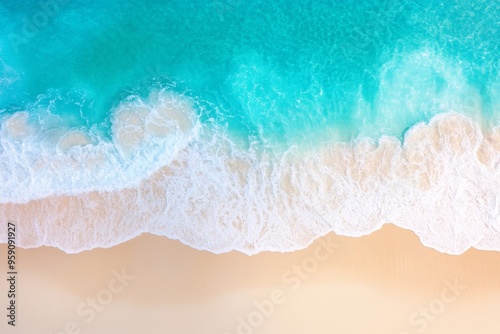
(386,282)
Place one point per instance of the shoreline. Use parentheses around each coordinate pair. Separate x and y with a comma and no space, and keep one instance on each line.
(386,279)
(441,184)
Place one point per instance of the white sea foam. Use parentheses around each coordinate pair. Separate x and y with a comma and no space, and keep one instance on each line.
(443,183)
(147,134)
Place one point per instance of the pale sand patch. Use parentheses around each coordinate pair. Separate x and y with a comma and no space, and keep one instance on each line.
(372,284)
(17,126)
(74,138)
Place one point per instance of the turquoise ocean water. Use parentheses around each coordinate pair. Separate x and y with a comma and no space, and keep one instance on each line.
(273,70)
(270,76)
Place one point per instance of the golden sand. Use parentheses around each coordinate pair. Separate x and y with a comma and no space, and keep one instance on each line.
(386,282)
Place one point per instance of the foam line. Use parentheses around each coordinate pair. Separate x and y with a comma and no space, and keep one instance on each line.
(442,183)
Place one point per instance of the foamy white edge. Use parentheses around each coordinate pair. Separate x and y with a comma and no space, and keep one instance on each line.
(443,183)
(43,157)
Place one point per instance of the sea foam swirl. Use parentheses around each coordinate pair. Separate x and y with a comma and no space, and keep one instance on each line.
(146,135)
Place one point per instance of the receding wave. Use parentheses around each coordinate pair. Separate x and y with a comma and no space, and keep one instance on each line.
(442,182)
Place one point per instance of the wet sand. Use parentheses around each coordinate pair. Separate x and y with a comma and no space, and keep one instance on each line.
(386,282)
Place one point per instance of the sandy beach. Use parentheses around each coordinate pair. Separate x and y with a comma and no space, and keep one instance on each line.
(386,282)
